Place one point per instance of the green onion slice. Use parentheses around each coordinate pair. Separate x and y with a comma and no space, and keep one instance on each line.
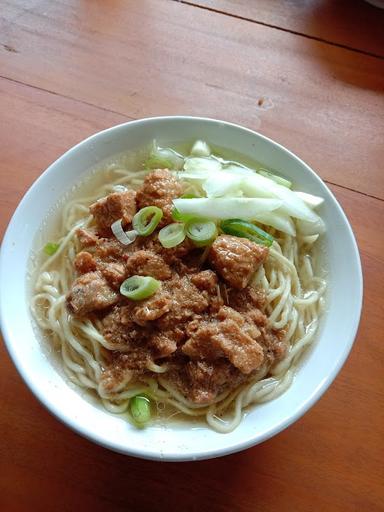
(277,179)
(244,229)
(147,219)
(172,235)
(140,408)
(139,287)
(201,231)
(50,248)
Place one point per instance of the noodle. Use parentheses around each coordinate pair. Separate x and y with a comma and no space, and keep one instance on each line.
(294,302)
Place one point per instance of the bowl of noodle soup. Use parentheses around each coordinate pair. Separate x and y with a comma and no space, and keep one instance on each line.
(313,298)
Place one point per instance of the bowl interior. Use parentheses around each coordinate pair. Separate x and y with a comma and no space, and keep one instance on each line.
(177,441)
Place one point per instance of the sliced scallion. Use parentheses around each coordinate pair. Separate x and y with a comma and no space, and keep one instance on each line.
(202,232)
(139,287)
(140,409)
(147,219)
(244,229)
(172,235)
(124,237)
(50,248)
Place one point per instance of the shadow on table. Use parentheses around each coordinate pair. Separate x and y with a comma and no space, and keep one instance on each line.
(355,24)
(358,26)
(216,485)
(45,466)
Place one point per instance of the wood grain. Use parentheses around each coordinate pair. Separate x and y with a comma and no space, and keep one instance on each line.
(163,57)
(37,127)
(90,65)
(333,454)
(357,25)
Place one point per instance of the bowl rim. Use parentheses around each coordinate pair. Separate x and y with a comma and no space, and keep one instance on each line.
(215,451)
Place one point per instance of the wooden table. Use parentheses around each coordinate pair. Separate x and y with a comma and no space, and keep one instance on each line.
(309,74)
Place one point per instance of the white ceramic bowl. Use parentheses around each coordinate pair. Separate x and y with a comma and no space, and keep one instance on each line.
(179,443)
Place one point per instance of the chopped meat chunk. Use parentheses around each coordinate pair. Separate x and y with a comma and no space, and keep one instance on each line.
(216,302)
(115,377)
(114,272)
(274,343)
(163,344)
(227,313)
(85,262)
(194,325)
(247,325)
(249,302)
(159,188)
(205,280)
(217,339)
(172,256)
(201,382)
(256,316)
(236,259)
(110,249)
(187,301)
(115,206)
(152,308)
(186,263)
(147,263)
(124,335)
(246,299)
(90,292)
(137,359)
(119,329)
(86,237)
(208,282)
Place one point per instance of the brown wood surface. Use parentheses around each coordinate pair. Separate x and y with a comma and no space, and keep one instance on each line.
(157,57)
(351,23)
(81,66)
